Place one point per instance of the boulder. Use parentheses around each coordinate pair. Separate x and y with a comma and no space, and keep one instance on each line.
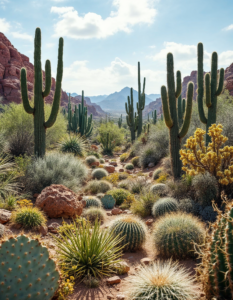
(57,201)
(2,230)
(5,216)
(110,169)
(113,280)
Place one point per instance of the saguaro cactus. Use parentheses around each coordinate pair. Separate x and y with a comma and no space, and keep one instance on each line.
(141,100)
(169,101)
(40,125)
(181,110)
(211,89)
(154,117)
(120,122)
(131,118)
(84,122)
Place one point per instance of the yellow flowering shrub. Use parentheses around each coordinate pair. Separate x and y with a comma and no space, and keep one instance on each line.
(66,286)
(124,157)
(162,178)
(24,203)
(113,178)
(215,159)
(128,201)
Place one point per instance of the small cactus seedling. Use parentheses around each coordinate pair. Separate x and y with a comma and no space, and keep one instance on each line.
(27,271)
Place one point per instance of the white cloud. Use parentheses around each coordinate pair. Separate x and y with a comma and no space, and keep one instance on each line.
(230,27)
(23,36)
(108,79)
(4,26)
(49,45)
(127,14)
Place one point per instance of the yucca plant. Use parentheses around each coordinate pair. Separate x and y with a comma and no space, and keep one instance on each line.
(163,280)
(29,217)
(88,251)
(75,144)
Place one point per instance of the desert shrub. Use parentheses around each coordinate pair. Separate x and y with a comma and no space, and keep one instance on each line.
(94,213)
(124,184)
(129,167)
(187,205)
(127,202)
(21,142)
(162,178)
(92,201)
(119,195)
(123,176)
(94,153)
(135,161)
(143,205)
(159,189)
(131,229)
(75,144)
(98,186)
(108,201)
(9,202)
(117,149)
(206,188)
(157,173)
(113,178)
(28,217)
(115,134)
(102,161)
(90,160)
(208,214)
(179,189)
(137,185)
(166,165)
(124,157)
(163,280)
(55,168)
(99,173)
(175,234)
(100,251)
(163,206)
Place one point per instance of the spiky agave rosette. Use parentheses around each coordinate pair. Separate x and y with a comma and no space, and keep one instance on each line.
(26,270)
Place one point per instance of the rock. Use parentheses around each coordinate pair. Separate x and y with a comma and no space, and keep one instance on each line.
(120,297)
(18,226)
(113,280)
(5,215)
(116,211)
(151,165)
(149,222)
(124,266)
(35,195)
(121,170)
(8,232)
(95,163)
(151,174)
(110,169)
(109,214)
(2,230)
(110,297)
(145,261)
(84,203)
(113,163)
(80,198)
(43,230)
(53,227)
(57,201)
(128,171)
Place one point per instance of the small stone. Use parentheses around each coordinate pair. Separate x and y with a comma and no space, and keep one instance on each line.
(53,227)
(110,169)
(110,297)
(106,226)
(149,222)
(51,245)
(121,170)
(95,163)
(151,165)
(109,214)
(113,163)
(5,216)
(150,174)
(145,261)
(124,266)
(116,211)
(113,280)
(128,171)
(120,297)
(136,268)
(43,230)
(36,195)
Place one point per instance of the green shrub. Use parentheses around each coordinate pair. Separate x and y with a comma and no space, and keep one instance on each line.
(138,184)
(123,176)
(175,234)
(119,195)
(93,214)
(163,206)
(55,168)
(124,157)
(129,167)
(102,161)
(157,173)
(187,205)
(206,188)
(98,186)
(124,184)
(21,142)
(143,205)
(92,201)
(28,217)
(163,280)
(99,173)
(100,251)
(116,134)
(159,189)
(135,161)
(94,153)
(179,189)
(108,202)
(75,144)
(131,229)
(9,203)
(90,160)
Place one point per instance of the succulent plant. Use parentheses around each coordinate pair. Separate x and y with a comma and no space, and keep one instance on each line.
(158,189)
(129,166)
(27,271)
(108,201)
(99,173)
(163,206)
(157,173)
(91,159)
(94,213)
(131,229)
(92,201)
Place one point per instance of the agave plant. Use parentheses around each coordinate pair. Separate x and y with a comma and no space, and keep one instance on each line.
(75,144)
(88,251)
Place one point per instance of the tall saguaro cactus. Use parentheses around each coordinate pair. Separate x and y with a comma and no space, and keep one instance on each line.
(181,110)
(141,100)
(154,117)
(120,121)
(40,125)
(85,123)
(131,118)
(169,101)
(211,89)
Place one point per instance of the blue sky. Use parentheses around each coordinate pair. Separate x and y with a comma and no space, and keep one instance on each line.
(104,40)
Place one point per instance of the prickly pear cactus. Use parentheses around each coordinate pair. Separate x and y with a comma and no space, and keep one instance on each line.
(26,270)
(108,201)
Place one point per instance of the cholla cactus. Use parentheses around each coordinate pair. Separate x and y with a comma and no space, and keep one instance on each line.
(131,229)
(163,206)
(27,271)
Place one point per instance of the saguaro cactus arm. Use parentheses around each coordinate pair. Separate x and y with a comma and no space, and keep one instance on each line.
(166,112)
(178,84)
(48,78)
(221,82)
(200,93)
(188,111)
(57,95)
(24,92)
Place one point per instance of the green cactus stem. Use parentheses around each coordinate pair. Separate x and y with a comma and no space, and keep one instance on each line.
(161,118)
(181,110)
(141,100)
(132,119)
(40,125)
(169,101)
(85,123)
(120,122)
(154,117)
(212,91)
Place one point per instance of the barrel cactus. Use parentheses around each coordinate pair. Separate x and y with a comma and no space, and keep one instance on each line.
(108,201)
(174,235)
(99,173)
(163,206)
(131,229)
(92,201)
(159,189)
(27,271)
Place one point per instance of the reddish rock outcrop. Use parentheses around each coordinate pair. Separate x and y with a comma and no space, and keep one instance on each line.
(57,201)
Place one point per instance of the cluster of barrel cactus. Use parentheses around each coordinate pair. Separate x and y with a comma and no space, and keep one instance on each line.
(27,271)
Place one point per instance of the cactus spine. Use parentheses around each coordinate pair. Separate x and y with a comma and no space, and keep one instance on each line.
(154,117)
(141,100)
(169,101)
(40,125)
(120,122)
(181,110)
(26,270)
(131,118)
(211,89)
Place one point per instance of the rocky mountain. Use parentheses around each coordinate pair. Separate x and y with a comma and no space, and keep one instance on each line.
(154,96)
(97,99)
(11,62)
